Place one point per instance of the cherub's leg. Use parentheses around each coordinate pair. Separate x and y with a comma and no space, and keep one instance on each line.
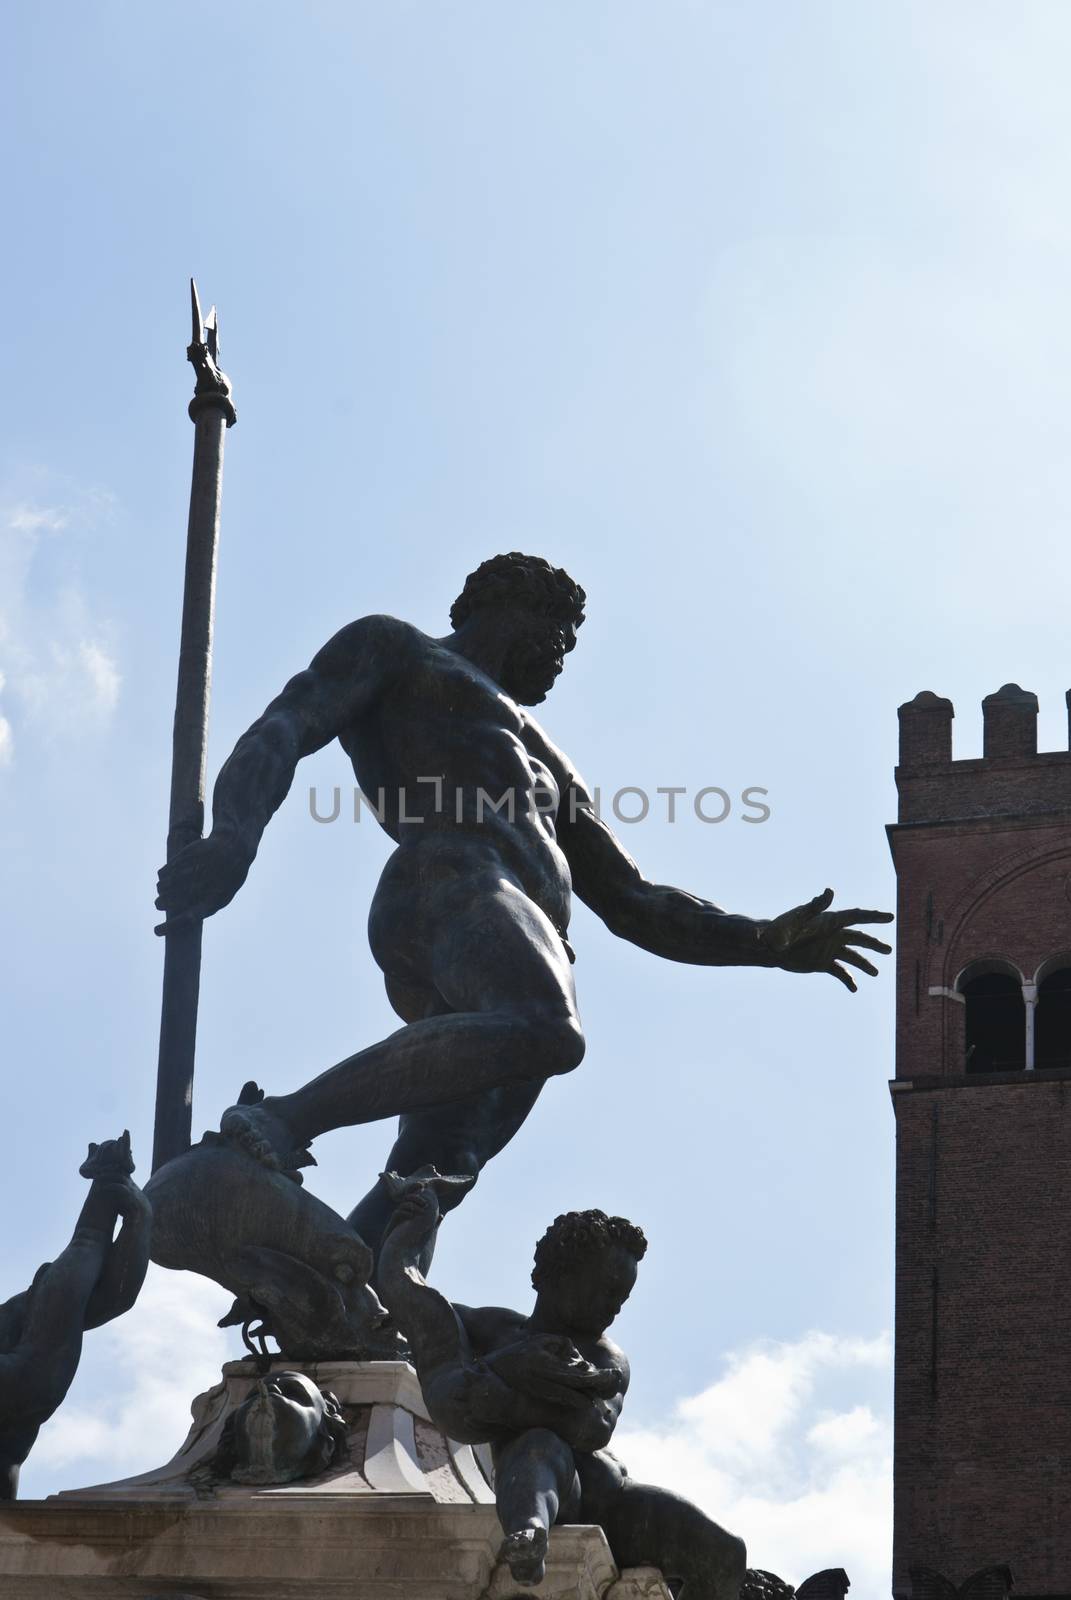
(535,1476)
(647,1526)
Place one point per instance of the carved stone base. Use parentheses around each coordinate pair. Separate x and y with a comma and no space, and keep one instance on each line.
(392,1446)
(406,1515)
(292,1547)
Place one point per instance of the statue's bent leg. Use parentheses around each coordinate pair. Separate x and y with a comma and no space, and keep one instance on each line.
(647,1526)
(461,1137)
(499,964)
(535,1480)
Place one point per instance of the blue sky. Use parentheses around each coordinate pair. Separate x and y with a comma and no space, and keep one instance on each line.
(752,316)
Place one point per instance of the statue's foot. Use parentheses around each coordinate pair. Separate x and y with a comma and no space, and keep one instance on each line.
(260,1132)
(525,1554)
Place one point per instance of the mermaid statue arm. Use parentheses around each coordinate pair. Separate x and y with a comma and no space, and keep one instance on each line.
(114,1194)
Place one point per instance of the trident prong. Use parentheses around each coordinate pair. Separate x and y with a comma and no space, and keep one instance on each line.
(205,332)
(195,305)
(203,352)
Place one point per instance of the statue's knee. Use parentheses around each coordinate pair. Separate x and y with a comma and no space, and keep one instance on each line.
(558,1458)
(540,1445)
(566,1045)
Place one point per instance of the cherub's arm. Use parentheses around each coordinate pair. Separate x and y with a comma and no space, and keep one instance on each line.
(127,1260)
(37,1372)
(342,680)
(43,1346)
(490,1327)
(431,1326)
(593,1429)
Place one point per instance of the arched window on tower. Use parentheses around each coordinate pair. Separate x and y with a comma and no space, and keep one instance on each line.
(995,1022)
(1052,1024)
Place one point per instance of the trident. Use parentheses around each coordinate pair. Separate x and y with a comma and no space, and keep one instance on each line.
(212,413)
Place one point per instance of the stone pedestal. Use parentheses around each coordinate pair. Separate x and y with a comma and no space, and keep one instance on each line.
(404,1514)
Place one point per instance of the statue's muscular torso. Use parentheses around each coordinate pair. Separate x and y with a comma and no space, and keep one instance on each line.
(435,751)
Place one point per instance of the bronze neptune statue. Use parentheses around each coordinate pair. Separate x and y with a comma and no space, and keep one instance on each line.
(494,832)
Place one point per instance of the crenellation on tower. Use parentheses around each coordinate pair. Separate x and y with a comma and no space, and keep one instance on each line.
(1009,723)
(1012,778)
(925,731)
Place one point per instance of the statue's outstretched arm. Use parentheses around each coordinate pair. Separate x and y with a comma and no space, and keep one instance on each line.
(669,922)
(342,680)
(681,927)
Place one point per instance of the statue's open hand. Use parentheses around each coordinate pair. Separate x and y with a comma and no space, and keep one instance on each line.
(202,878)
(811,938)
(418,1205)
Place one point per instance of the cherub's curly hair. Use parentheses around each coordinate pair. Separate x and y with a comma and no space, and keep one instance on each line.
(517,580)
(581,1233)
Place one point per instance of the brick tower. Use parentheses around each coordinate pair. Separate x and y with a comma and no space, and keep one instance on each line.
(982,1099)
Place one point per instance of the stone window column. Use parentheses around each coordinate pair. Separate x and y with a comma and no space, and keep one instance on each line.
(1030,1001)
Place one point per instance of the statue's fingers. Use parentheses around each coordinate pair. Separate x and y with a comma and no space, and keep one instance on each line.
(853,959)
(845,977)
(821,902)
(842,919)
(174,883)
(867,941)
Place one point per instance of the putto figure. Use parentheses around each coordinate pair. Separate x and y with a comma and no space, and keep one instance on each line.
(95,1279)
(470,920)
(545,1391)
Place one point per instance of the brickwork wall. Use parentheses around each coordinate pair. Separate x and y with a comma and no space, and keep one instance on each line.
(983,1202)
(983,1327)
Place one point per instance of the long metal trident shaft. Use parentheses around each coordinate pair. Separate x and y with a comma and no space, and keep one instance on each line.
(212,412)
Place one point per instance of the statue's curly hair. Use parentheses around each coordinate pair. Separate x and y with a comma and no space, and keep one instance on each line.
(518,580)
(761,1585)
(582,1233)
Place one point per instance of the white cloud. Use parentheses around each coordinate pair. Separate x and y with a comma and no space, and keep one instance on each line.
(56,657)
(163,1353)
(783,1451)
(103,675)
(25,518)
(6,739)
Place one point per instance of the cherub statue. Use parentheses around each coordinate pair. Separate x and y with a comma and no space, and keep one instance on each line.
(96,1278)
(545,1391)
